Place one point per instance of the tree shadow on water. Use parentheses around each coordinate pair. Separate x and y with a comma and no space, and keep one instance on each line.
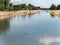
(4,25)
(52,15)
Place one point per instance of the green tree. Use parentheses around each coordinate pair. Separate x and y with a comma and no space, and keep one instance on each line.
(1,4)
(32,7)
(20,7)
(38,8)
(53,7)
(58,7)
(16,7)
(10,7)
(23,6)
(4,4)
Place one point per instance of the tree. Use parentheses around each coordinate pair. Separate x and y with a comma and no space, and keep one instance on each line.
(4,4)
(1,4)
(20,7)
(23,6)
(53,7)
(58,7)
(10,7)
(32,7)
(17,7)
(38,8)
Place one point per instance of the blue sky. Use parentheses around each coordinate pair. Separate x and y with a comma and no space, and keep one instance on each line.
(41,3)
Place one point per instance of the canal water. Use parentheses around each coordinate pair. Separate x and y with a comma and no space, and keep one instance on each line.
(40,28)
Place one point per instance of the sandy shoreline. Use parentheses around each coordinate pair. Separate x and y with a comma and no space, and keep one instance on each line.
(7,14)
(54,12)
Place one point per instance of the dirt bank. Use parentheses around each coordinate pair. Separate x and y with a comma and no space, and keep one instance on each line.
(55,12)
(7,14)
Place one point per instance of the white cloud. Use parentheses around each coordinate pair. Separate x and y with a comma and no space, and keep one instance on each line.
(47,40)
(15,0)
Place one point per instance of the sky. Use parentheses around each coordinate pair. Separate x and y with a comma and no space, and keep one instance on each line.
(41,3)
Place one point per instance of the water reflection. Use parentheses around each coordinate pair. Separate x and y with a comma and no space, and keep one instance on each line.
(4,25)
(49,40)
(23,16)
(55,43)
(52,15)
(26,15)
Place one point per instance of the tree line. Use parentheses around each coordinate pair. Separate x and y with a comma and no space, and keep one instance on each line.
(54,7)
(5,5)
(25,7)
